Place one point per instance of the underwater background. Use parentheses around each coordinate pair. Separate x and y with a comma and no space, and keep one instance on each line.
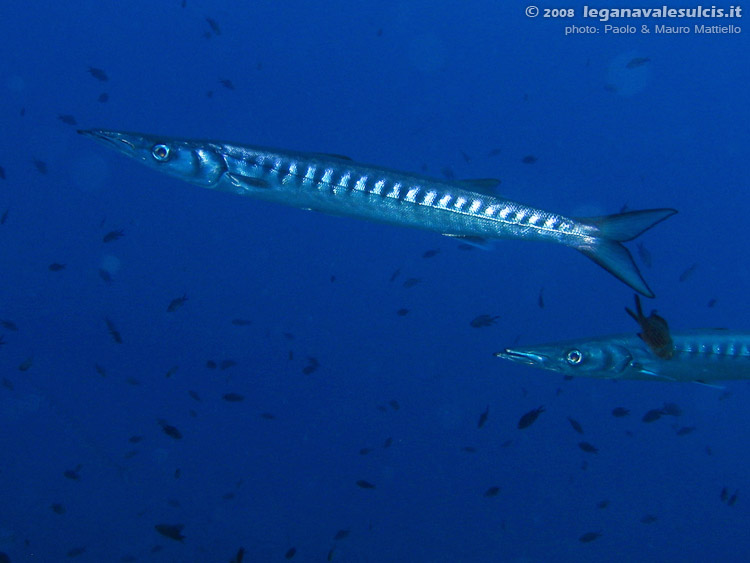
(317,396)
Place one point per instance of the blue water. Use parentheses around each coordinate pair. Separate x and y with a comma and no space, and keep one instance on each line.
(407,85)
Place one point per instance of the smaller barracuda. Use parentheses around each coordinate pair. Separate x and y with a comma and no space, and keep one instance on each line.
(702,356)
(337,185)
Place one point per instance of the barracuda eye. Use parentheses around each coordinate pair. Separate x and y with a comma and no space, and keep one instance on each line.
(161,153)
(574,357)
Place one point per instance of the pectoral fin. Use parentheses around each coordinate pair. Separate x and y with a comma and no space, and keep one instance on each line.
(247,182)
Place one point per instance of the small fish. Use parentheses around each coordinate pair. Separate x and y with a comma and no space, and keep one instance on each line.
(530,417)
(402,312)
(411,282)
(7,383)
(362,484)
(619,412)
(688,272)
(636,62)
(467,158)
(67,119)
(602,504)
(291,552)
(226,364)
(671,409)
(312,365)
(588,448)
(210,364)
(171,531)
(105,276)
(176,303)
(654,331)
(388,442)
(469,449)
(241,551)
(483,417)
(170,430)
(529,159)
(648,519)
(711,302)
(113,332)
(448,173)
(10,325)
(685,430)
(56,267)
(103,98)
(241,322)
(213,25)
(576,425)
(589,537)
(394,275)
(194,395)
(644,254)
(540,300)
(494,152)
(233,397)
(171,371)
(733,499)
(135,439)
(100,370)
(57,508)
(267,415)
(98,73)
(113,235)
(484,320)
(73,474)
(652,415)
(341,534)
(491,492)
(394,404)
(724,494)
(365,451)
(431,253)
(76,551)
(227,83)
(26,364)
(2,173)
(4,216)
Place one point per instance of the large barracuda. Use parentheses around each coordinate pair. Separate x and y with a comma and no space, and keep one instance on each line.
(701,355)
(337,185)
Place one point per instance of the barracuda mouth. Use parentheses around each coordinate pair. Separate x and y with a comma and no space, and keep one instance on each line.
(112,139)
(528,358)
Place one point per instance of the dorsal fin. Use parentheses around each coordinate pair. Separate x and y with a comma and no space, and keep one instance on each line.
(480,185)
(330,155)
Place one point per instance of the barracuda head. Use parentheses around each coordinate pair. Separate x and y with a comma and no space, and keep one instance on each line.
(604,359)
(198,163)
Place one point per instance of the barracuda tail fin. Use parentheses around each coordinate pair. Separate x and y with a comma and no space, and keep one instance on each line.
(607,250)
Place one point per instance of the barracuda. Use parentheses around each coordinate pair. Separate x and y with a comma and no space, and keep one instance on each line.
(701,355)
(336,185)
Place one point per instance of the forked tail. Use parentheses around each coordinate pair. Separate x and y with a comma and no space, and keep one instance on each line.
(606,248)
